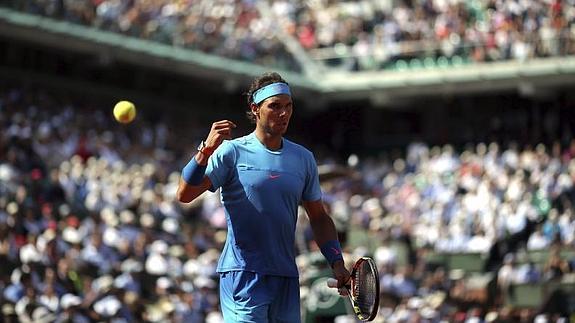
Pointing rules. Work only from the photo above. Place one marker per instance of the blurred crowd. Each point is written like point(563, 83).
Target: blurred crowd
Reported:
point(228, 28)
point(376, 33)
point(355, 35)
point(90, 229)
point(499, 203)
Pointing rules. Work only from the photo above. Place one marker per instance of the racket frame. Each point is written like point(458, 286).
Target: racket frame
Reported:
point(351, 285)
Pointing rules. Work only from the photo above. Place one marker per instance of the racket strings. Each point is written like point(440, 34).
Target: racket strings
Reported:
point(364, 289)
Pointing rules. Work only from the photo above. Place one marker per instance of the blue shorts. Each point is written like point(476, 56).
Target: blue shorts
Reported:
point(251, 297)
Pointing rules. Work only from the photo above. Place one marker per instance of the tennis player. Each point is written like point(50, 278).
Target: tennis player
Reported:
point(263, 178)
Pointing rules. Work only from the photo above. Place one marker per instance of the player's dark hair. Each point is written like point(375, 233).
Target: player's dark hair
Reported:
point(258, 83)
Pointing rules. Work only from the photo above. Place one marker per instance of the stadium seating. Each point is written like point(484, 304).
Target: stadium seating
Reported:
point(89, 228)
point(458, 32)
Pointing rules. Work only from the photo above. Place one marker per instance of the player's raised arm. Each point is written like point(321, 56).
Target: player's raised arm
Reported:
point(193, 181)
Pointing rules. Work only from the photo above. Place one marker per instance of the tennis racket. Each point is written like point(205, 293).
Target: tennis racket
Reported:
point(363, 288)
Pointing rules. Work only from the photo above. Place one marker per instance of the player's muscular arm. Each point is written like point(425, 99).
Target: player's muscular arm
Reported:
point(187, 193)
point(324, 230)
point(321, 223)
point(191, 185)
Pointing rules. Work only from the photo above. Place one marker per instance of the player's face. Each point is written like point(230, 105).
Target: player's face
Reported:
point(274, 114)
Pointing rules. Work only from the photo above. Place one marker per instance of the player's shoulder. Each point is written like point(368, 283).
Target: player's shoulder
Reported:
point(241, 141)
point(227, 147)
point(298, 148)
point(236, 145)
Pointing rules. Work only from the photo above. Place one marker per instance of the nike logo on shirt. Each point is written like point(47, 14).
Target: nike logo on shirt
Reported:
point(274, 176)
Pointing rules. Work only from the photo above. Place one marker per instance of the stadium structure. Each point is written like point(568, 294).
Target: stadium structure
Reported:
point(382, 107)
point(375, 101)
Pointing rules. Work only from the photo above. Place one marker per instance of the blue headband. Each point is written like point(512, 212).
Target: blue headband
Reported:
point(270, 90)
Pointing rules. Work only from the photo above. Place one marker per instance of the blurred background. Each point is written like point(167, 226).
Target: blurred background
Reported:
point(444, 131)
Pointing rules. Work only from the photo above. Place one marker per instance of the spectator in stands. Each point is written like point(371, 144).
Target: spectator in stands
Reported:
point(233, 29)
point(479, 31)
point(537, 240)
point(351, 35)
point(556, 266)
point(528, 274)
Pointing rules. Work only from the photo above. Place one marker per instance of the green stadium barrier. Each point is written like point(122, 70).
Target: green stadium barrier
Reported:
point(401, 65)
point(429, 63)
point(442, 62)
point(525, 295)
point(436, 258)
point(415, 63)
point(567, 254)
point(358, 237)
point(540, 257)
point(468, 262)
point(456, 60)
point(322, 301)
point(534, 295)
point(401, 251)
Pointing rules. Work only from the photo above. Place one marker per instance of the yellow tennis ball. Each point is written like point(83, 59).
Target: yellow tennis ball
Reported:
point(124, 111)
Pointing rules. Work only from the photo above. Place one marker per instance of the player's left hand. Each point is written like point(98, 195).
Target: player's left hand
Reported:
point(342, 275)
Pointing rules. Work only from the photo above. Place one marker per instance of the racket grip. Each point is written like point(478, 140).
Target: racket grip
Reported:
point(332, 283)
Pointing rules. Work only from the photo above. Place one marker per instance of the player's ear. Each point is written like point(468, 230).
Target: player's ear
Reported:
point(255, 109)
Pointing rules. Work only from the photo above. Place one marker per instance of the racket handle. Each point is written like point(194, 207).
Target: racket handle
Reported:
point(332, 283)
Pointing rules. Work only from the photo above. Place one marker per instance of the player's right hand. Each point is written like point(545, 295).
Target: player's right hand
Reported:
point(342, 275)
point(220, 131)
